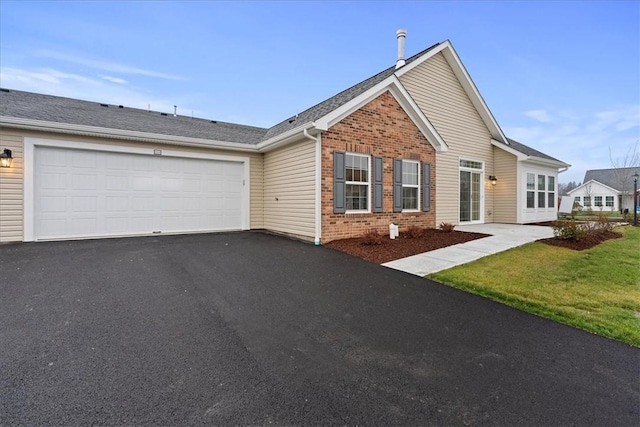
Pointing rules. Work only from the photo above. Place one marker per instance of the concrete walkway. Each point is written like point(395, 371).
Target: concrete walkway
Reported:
point(503, 237)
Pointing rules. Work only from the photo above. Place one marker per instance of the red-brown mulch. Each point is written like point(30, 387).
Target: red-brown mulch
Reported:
point(402, 246)
point(591, 240)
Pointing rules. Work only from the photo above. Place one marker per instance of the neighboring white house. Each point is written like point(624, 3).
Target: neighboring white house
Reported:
point(606, 190)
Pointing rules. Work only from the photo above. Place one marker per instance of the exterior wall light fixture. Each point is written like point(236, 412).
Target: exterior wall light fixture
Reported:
point(493, 179)
point(5, 158)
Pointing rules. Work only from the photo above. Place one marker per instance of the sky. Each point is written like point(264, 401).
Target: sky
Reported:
point(561, 77)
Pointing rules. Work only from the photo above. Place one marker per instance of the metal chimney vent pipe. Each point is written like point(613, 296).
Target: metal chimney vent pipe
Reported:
point(401, 34)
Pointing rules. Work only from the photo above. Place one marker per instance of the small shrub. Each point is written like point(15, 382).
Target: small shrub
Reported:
point(569, 229)
point(447, 227)
point(604, 224)
point(372, 237)
point(414, 232)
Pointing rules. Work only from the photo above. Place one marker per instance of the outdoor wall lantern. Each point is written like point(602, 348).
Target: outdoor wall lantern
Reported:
point(493, 179)
point(5, 158)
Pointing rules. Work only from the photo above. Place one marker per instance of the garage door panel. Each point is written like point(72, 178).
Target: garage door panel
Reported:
point(141, 204)
point(92, 194)
point(84, 181)
point(84, 204)
point(53, 204)
point(142, 183)
point(117, 182)
point(84, 159)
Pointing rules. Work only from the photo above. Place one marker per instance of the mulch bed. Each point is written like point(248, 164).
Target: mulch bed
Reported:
point(591, 240)
point(402, 246)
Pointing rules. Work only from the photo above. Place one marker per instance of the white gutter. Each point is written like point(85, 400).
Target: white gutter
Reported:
point(284, 138)
point(83, 130)
point(318, 187)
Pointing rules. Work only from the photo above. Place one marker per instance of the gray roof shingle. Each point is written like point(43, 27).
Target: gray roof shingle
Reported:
point(336, 101)
point(620, 179)
point(27, 105)
point(524, 149)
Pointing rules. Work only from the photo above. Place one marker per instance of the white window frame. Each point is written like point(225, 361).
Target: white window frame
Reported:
point(474, 166)
point(416, 186)
point(597, 199)
point(606, 201)
point(359, 183)
point(551, 192)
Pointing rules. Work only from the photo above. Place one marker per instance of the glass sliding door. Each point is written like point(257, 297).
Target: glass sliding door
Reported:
point(470, 191)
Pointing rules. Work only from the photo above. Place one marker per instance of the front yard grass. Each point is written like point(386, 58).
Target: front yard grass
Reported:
point(597, 289)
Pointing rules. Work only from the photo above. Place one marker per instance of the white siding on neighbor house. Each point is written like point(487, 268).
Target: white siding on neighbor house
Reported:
point(11, 189)
point(440, 96)
point(11, 200)
point(505, 192)
point(289, 191)
point(592, 189)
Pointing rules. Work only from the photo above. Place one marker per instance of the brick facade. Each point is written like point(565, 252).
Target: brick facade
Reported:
point(379, 128)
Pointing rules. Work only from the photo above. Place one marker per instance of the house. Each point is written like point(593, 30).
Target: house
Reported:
point(414, 144)
point(608, 190)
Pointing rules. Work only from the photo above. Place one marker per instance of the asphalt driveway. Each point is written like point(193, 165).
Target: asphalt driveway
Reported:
point(249, 328)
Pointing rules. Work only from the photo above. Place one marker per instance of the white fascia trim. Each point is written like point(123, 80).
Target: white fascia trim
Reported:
point(531, 159)
point(395, 88)
point(469, 87)
point(30, 145)
point(547, 162)
point(83, 130)
point(287, 137)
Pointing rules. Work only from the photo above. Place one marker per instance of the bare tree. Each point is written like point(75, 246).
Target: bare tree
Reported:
point(621, 167)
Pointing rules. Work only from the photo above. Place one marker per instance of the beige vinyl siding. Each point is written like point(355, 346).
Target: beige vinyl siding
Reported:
point(438, 93)
point(505, 192)
point(289, 176)
point(11, 227)
point(11, 189)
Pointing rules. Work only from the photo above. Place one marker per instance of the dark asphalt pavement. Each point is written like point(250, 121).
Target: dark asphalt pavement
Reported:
point(249, 328)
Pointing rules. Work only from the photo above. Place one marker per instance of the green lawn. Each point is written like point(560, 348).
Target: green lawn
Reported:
point(597, 290)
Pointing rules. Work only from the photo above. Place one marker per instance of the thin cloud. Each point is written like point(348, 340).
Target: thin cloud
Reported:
point(117, 80)
point(583, 139)
point(12, 76)
point(111, 67)
point(539, 115)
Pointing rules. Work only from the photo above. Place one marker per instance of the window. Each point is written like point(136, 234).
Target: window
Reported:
point(587, 201)
point(551, 195)
point(541, 190)
point(357, 182)
point(609, 201)
point(410, 185)
point(471, 164)
point(597, 201)
point(576, 199)
point(531, 194)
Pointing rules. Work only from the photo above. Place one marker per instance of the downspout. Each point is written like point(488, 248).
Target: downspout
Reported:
point(318, 163)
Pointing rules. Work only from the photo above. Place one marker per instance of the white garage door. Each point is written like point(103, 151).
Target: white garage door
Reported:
point(82, 193)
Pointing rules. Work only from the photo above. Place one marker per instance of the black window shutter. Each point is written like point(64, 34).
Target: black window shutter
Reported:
point(397, 185)
point(339, 182)
point(426, 187)
point(377, 184)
